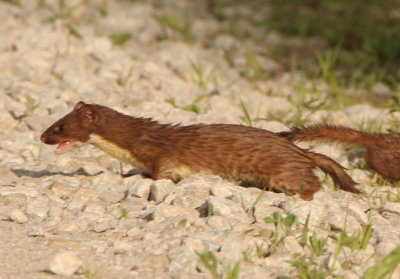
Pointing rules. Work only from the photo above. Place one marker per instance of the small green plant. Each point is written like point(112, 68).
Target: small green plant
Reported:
point(210, 210)
point(30, 107)
point(90, 274)
point(175, 23)
point(262, 252)
point(384, 269)
point(326, 64)
point(304, 233)
point(198, 69)
point(12, 2)
point(193, 106)
point(119, 38)
point(232, 272)
point(234, 30)
point(202, 79)
point(370, 126)
point(103, 9)
point(256, 201)
point(253, 64)
point(297, 119)
point(317, 245)
point(63, 10)
point(248, 255)
point(182, 223)
point(306, 269)
point(74, 32)
point(246, 118)
point(228, 55)
point(306, 266)
point(124, 213)
point(282, 228)
point(218, 9)
point(356, 241)
point(210, 262)
point(123, 81)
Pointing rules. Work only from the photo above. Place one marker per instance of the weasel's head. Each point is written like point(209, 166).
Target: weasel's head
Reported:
point(73, 129)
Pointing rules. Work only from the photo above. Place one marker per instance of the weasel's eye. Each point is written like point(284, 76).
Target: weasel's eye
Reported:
point(62, 127)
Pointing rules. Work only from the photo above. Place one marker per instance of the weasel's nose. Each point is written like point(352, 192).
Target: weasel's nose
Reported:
point(42, 139)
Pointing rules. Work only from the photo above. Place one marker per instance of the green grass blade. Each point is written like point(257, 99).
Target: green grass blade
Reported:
point(385, 267)
point(246, 118)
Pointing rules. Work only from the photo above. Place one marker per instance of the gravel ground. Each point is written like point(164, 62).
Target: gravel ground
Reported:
point(75, 216)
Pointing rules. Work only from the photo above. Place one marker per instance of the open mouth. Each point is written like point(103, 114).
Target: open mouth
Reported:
point(65, 146)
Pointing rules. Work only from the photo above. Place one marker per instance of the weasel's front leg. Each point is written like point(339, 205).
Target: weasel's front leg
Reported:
point(162, 168)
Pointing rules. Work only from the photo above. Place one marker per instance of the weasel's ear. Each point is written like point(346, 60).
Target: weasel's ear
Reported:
point(88, 115)
point(79, 105)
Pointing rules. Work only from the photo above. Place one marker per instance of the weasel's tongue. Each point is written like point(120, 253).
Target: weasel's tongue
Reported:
point(64, 147)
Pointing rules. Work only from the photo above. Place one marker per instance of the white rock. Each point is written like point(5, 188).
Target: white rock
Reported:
point(220, 223)
point(193, 191)
point(195, 245)
point(95, 207)
point(163, 211)
point(382, 90)
point(9, 202)
point(224, 41)
point(102, 226)
point(37, 207)
point(159, 189)
point(183, 262)
point(136, 233)
point(61, 190)
point(81, 197)
point(232, 250)
point(9, 182)
point(68, 226)
point(392, 207)
point(141, 188)
point(122, 246)
point(36, 231)
point(361, 113)
point(65, 263)
point(18, 216)
point(326, 212)
point(229, 209)
point(385, 245)
point(92, 169)
point(290, 245)
point(112, 196)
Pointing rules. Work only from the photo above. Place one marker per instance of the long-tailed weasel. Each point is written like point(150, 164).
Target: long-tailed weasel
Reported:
point(253, 156)
point(382, 151)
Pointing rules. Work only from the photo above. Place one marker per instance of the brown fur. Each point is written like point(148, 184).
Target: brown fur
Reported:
point(382, 151)
point(234, 152)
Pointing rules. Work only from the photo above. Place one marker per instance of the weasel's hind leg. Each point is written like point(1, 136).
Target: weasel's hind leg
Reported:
point(301, 181)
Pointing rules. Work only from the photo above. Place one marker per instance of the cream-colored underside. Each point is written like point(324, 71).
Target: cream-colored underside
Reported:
point(180, 172)
point(121, 154)
point(177, 173)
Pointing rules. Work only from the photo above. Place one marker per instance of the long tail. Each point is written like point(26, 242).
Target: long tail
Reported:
point(329, 133)
point(336, 171)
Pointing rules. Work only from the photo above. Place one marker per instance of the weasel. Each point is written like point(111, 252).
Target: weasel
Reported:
point(253, 156)
point(382, 151)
